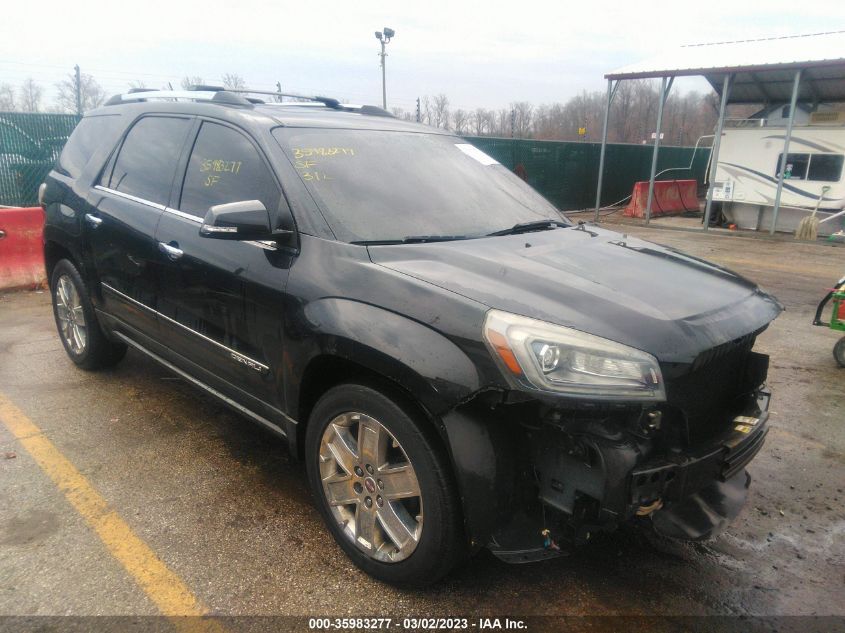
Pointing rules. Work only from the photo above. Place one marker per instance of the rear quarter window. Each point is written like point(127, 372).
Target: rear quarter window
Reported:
point(91, 133)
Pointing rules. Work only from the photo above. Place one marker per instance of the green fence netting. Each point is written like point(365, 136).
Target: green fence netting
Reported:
point(564, 172)
point(29, 145)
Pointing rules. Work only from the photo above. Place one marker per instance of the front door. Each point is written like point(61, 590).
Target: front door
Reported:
point(127, 203)
point(221, 301)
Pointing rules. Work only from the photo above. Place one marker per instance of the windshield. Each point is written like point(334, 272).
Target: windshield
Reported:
point(383, 186)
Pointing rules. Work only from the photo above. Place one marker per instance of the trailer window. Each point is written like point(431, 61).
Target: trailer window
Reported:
point(818, 167)
point(796, 166)
point(827, 167)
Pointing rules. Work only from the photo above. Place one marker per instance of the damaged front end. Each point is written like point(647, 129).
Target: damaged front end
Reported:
point(547, 475)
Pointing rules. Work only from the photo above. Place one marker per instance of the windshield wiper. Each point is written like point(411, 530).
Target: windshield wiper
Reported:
point(527, 227)
point(414, 239)
point(422, 239)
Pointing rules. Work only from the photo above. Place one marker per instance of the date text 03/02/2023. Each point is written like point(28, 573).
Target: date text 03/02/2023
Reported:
point(416, 623)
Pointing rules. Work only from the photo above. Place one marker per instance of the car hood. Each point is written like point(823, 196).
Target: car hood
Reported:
point(654, 298)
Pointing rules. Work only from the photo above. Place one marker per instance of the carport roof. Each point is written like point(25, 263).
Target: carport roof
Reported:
point(764, 69)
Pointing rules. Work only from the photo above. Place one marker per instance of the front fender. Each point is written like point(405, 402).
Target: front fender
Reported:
point(413, 355)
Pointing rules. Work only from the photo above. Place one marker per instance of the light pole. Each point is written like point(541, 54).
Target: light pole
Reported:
point(384, 37)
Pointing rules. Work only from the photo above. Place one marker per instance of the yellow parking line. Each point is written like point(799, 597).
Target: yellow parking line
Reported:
point(164, 588)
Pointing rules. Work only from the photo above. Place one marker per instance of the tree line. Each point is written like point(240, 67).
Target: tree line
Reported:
point(29, 96)
point(633, 114)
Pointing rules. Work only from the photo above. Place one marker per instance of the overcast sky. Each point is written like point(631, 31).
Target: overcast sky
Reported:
point(478, 53)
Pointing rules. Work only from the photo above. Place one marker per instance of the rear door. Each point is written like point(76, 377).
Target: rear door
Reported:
point(221, 302)
point(129, 199)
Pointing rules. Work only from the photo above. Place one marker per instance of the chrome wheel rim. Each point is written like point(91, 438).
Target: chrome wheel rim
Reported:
point(70, 315)
point(371, 487)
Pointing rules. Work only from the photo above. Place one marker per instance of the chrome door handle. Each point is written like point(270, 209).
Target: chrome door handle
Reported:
point(171, 251)
point(93, 221)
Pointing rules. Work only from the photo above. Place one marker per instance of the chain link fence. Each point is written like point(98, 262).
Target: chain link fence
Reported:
point(564, 172)
point(29, 145)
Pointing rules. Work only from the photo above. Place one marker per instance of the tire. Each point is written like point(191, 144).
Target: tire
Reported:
point(839, 352)
point(430, 541)
point(76, 321)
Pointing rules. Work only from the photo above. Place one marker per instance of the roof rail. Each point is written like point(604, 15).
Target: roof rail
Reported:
point(233, 96)
point(217, 96)
point(329, 102)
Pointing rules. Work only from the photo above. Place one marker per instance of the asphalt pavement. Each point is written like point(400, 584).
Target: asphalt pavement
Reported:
point(158, 476)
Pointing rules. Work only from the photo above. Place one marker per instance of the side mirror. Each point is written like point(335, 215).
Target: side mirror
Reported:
point(244, 220)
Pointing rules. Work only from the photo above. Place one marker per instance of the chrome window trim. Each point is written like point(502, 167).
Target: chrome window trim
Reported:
point(126, 196)
point(188, 216)
point(241, 358)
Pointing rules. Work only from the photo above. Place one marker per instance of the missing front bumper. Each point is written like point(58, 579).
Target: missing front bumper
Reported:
point(706, 513)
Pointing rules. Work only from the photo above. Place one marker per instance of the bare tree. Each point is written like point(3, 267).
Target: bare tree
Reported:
point(522, 113)
point(426, 111)
point(460, 120)
point(480, 122)
point(233, 81)
point(7, 98)
point(91, 93)
point(30, 96)
point(440, 111)
point(137, 84)
point(189, 81)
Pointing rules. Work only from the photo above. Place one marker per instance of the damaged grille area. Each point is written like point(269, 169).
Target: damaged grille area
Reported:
point(711, 392)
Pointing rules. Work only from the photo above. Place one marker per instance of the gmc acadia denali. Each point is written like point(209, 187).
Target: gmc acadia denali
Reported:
point(457, 364)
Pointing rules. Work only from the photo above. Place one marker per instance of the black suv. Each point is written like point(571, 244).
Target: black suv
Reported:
point(458, 365)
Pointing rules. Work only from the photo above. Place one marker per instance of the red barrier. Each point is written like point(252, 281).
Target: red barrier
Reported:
point(22, 248)
point(670, 196)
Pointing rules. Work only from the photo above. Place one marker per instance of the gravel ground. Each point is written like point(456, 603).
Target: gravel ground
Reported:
point(221, 503)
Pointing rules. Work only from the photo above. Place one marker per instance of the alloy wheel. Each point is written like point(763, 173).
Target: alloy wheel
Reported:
point(371, 487)
point(70, 315)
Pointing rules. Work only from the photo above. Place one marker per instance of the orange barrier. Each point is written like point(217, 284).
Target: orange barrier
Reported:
point(22, 248)
point(670, 196)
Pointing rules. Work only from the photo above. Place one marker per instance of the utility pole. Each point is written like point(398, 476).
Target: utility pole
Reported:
point(513, 122)
point(384, 38)
point(78, 86)
point(419, 117)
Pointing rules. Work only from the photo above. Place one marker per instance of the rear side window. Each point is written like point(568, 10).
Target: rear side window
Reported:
point(89, 134)
point(226, 167)
point(146, 162)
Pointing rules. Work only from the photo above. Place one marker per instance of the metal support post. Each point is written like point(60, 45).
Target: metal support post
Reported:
point(665, 87)
point(796, 84)
point(717, 143)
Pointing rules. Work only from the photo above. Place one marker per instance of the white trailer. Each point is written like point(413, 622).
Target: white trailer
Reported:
point(748, 169)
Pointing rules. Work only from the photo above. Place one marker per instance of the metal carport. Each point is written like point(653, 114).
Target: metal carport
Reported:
point(801, 68)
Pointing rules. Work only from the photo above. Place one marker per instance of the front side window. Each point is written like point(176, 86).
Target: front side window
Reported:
point(382, 186)
point(225, 167)
point(145, 165)
point(817, 167)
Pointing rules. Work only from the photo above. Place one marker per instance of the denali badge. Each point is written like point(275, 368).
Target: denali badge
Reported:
point(248, 362)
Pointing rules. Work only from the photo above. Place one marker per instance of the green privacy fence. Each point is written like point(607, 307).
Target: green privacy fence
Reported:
point(29, 145)
point(564, 172)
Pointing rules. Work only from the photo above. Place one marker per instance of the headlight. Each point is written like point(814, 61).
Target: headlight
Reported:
point(552, 358)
